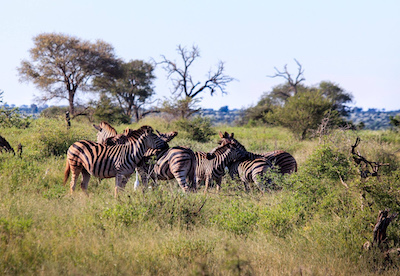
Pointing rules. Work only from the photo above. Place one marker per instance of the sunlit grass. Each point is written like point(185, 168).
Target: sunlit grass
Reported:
point(312, 225)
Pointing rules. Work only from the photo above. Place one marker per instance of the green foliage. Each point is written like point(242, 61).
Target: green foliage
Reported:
point(52, 137)
point(394, 121)
point(239, 218)
point(199, 128)
point(130, 90)
point(54, 112)
point(106, 110)
point(301, 113)
point(328, 162)
point(11, 117)
point(315, 219)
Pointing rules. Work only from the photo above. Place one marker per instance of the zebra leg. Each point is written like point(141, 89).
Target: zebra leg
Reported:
point(119, 185)
point(181, 181)
point(218, 181)
point(191, 178)
point(85, 181)
point(75, 171)
point(208, 179)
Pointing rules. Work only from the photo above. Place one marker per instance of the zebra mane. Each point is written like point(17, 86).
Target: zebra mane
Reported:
point(128, 133)
point(222, 149)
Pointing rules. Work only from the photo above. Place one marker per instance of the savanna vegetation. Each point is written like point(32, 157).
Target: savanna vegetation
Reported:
point(314, 222)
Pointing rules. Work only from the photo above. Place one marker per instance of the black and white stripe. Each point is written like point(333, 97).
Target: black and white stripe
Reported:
point(119, 161)
point(250, 171)
point(282, 160)
point(211, 166)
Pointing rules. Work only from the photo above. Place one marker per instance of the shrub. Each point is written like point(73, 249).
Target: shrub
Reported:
point(239, 218)
point(198, 129)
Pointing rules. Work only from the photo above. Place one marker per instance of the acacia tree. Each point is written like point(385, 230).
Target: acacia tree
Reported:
point(184, 86)
point(61, 65)
point(132, 89)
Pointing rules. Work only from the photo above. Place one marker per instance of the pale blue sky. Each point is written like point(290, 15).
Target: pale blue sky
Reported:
point(355, 44)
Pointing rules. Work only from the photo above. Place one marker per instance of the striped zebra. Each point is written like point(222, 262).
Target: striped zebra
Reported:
point(211, 166)
point(119, 161)
point(250, 171)
point(176, 162)
point(283, 160)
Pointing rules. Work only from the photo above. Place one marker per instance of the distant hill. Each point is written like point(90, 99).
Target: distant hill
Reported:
point(372, 118)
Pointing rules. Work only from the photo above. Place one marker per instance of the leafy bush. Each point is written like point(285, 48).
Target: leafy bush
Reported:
point(11, 117)
point(239, 218)
point(198, 128)
point(328, 162)
point(53, 137)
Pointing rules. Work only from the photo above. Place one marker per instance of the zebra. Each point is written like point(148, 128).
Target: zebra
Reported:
point(250, 171)
point(176, 162)
point(211, 166)
point(283, 160)
point(90, 158)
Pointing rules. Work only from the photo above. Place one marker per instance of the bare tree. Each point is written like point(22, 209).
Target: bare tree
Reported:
point(184, 85)
point(293, 83)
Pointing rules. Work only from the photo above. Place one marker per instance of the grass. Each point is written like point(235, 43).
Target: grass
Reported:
point(313, 225)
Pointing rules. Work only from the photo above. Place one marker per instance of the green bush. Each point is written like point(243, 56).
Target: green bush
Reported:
point(54, 138)
point(238, 217)
point(198, 129)
point(11, 117)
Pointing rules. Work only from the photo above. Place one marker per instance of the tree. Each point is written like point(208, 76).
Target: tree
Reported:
point(106, 110)
point(132, 89)
point(301, 113)
point(61, 65)
point(182, 108)
point(337, 95)
point(291, 84)
point(184, 86)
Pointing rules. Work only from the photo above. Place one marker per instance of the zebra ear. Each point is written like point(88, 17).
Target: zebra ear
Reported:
point(231, 135)
point(221, 135)
point(158, 133)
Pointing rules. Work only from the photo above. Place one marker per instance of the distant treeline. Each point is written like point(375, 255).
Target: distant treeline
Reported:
point(372, 118)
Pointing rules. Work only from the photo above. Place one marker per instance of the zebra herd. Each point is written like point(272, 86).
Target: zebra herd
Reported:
point(119, 155)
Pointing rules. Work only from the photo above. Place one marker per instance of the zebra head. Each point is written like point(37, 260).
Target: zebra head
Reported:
point(151, 140)
point(167, 137)
point(104, 131)
point(226, 138)
point(230, 151)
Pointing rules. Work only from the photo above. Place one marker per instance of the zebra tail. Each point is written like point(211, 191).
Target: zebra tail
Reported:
point(66, 172)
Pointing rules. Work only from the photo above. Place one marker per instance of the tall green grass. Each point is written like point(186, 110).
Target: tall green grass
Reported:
point(315, 224)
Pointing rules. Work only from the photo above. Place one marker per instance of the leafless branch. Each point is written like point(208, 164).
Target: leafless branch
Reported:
point(288, 77)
